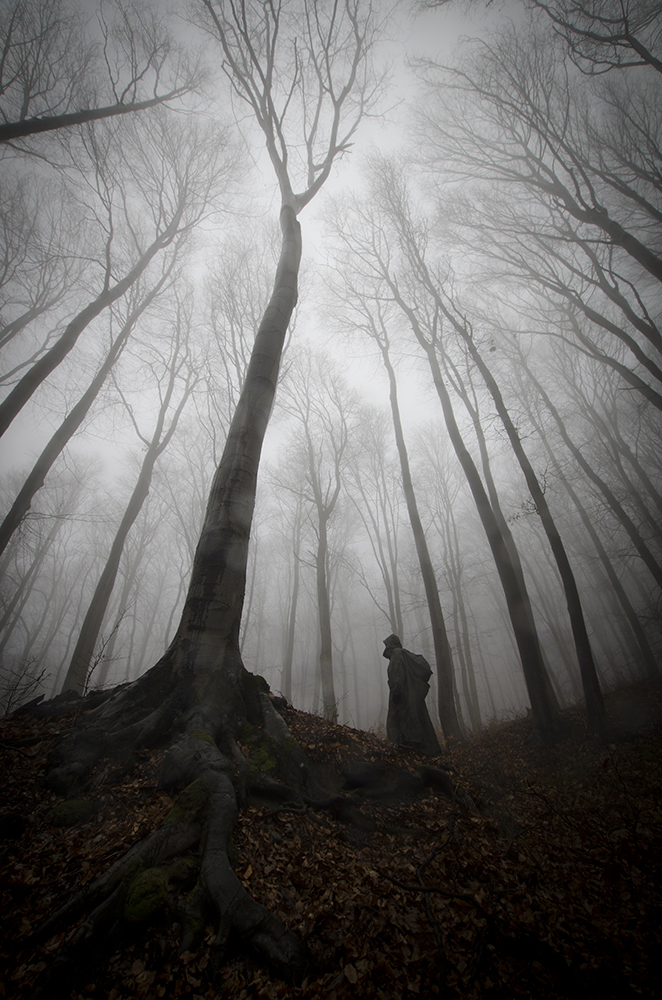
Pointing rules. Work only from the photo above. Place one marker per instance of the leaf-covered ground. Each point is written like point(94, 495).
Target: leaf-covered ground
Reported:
point(550, 889)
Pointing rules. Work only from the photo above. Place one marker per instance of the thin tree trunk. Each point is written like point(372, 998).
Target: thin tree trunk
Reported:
point(50, 123)
point(24, 588)
point(461, 624)
point(545, 714)
point(23, 390)
point(288, 656)
point(650, 663)
point(329, 703)
point(89, 633)
point(527, 609)
point(623, 518)
point(448, 716)
point(592, 693)
point(70, 424)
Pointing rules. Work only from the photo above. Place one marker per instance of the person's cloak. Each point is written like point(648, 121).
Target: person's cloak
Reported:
point(408, 719)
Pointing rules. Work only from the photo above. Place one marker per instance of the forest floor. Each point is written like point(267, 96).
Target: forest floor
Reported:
point(552, 888)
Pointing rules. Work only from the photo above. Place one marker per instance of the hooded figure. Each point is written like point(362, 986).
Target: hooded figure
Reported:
point(408, 720)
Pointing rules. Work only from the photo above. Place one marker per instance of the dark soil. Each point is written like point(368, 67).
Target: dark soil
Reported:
point(550, 889)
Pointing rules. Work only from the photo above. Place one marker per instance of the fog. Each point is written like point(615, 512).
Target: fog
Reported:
point(482, 268)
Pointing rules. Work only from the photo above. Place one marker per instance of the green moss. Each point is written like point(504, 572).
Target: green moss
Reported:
point(264, 754)
point(289, 745)
point(73, 811)
point(202, 734)
point(181, 870)
point(189, 803)
point(246, 732)
point(263, 750)
point(260, 683)
point(132, 873)
point(147, 895)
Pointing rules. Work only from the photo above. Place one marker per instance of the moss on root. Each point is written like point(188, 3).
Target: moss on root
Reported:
point(202, 734)
point(262, 749)
point(146, 896)
point(190, 803)
point(182, 870)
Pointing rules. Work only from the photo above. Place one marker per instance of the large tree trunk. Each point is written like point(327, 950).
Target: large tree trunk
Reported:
point(208, 633)
point(201, 700)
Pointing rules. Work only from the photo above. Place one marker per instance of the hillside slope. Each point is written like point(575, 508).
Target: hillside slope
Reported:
point(548, 887)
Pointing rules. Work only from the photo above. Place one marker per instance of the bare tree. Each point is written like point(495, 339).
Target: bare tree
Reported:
point(373, 324)
point(449, 310)
point(423, 316)
point(76, 416)
point(324, 409)
point(563, 183)
point(178, 378)
point(644, 648)
point(303, 71)
point(39, 238)
point(623, 518)
point(174, 172)
point(609, 34)
point(373, 477)
point(57, 70)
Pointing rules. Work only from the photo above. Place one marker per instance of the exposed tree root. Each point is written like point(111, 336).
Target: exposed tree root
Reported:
point(204, 719)
point(226, 744)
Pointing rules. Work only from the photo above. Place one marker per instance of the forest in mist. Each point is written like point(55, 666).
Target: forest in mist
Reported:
point(465, 444)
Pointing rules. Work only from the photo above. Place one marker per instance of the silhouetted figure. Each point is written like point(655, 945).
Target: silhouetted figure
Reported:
point(408, 720)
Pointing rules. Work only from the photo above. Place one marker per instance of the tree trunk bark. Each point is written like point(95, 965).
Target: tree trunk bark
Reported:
point(207, 638)
point(545, 714)
point(448, 716)
point(592, 693)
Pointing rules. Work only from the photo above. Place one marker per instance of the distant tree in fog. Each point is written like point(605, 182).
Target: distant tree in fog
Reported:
point(564, 183)
point(324, 410)
point(376, 244)
point(176, 381)
point(610, 34)
point(368, 314)
point(148, 193)
point(63, 65)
